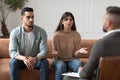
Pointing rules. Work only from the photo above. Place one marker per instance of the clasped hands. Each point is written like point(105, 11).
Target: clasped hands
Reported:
point(29, 62)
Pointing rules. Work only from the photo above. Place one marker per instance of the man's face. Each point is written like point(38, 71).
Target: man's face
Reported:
point(105, 18)
point(104, 29)
point(28, 19)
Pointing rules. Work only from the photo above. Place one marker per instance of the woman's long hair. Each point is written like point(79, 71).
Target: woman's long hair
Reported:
point(64, 16)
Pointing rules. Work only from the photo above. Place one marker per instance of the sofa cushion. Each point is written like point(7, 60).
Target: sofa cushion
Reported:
point(31, 74)
point(4, 69)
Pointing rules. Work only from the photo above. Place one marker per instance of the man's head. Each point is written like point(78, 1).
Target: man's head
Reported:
point(27, 16)
point(111, 18)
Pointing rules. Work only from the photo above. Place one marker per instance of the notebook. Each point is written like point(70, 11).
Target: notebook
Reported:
point(71, 74)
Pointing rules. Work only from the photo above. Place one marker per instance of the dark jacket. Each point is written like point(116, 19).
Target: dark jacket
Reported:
point(109, 45)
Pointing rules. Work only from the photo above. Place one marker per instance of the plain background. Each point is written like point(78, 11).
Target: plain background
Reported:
point(88, 15)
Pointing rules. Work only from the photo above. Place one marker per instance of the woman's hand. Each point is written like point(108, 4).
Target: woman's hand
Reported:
point(81, 51)
point(54, 53)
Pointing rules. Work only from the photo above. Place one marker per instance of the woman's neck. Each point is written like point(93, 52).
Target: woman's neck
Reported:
point(67, 30)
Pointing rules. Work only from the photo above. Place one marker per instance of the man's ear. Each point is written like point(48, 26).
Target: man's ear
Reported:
point(108, 23)
point(21, 18)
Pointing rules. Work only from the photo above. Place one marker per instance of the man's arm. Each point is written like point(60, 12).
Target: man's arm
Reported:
point(13, 44)
point(43, 46)
point(96, 52)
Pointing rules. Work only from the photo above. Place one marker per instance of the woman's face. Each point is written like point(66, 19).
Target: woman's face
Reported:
point(67, 22)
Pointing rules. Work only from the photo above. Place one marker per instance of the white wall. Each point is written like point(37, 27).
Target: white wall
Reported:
point(88, 15)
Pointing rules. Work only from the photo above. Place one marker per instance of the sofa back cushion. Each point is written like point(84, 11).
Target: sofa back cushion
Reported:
point(49, 43)
point(87, 43)
point(4, 48)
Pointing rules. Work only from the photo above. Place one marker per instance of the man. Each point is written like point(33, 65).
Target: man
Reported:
point(109, 45)
point(28, 47)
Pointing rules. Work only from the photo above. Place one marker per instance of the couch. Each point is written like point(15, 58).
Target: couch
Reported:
point(109, 68)
point(34, 74)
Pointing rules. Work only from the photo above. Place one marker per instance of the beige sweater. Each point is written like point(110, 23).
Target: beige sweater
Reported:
point(66, 44)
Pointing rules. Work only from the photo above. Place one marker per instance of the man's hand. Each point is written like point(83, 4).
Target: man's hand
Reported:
point(80, 69)
point(29, 62)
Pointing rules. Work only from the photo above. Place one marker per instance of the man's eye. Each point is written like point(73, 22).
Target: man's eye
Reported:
point(28, 17)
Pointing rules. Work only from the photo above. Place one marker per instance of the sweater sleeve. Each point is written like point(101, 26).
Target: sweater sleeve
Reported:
point(77, 42)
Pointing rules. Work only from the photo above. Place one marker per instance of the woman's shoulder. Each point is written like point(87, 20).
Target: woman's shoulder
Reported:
point(57, 33)
point(75, 33)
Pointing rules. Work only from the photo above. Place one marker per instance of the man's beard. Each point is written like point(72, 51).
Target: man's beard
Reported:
point(104, 30)
point(30, 26)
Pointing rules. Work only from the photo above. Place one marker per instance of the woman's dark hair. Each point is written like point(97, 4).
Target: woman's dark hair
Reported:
point(26, 9)
point(64, 16)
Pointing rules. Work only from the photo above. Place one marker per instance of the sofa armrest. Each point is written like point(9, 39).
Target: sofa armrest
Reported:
point(4, 48)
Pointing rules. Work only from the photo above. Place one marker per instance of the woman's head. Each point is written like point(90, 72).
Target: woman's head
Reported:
point(67, 21)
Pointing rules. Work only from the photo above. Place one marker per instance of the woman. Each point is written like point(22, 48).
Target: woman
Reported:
point(66, 46)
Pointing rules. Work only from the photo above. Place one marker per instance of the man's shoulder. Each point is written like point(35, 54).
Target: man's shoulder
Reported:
point(38, 28)
point(17, 29)
point(101, 44)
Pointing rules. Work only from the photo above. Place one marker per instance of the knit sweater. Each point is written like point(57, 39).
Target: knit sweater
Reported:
point(66, 44)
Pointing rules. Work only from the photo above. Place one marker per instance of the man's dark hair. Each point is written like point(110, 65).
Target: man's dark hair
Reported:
point(113, 10)
point(26, 9)
point(114, 15)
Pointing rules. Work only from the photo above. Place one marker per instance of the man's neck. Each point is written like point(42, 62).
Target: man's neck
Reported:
point(28, 29)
